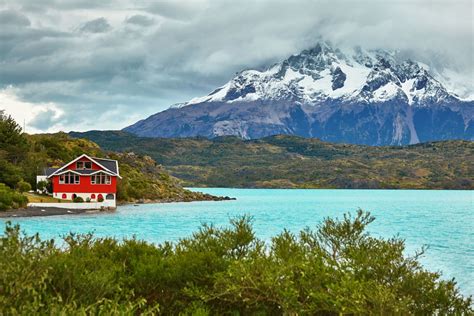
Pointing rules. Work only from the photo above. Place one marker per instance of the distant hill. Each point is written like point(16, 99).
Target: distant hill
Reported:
point(294, 162)
point(142, 178)
point(24, 156)
point(353, 96)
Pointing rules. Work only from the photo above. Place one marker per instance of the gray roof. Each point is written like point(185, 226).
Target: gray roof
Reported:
point(107, 163)
point(49, 171)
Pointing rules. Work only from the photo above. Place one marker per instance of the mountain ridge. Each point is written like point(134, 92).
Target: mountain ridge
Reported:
point(362, 97)
point(287, 161)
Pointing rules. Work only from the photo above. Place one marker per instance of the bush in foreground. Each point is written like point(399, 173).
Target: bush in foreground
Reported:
point(336, 269)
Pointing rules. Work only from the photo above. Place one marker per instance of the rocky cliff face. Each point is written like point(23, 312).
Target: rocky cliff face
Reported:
point(356, 96)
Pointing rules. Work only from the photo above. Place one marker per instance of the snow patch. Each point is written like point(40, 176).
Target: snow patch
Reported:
point(219, 95)
point(407, 88)
point(385, 92)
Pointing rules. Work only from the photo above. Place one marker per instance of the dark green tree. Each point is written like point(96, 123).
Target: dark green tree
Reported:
point(13, 144)
point(9, 173)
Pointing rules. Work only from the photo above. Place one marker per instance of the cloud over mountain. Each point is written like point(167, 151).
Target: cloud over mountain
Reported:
point(95, 57)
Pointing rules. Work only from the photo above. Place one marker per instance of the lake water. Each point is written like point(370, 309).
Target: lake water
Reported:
point(443, 220)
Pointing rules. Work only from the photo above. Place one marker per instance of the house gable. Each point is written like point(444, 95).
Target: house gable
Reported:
point(96, 165)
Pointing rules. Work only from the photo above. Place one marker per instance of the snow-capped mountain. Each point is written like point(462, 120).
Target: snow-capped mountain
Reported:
point(356, 96)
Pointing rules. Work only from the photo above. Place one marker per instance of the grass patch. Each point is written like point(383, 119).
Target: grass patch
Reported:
point(39, 198)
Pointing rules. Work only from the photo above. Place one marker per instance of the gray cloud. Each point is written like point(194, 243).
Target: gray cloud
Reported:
point(150, 55)
point(99, 25)
point(13, 18)
point(44, 119)
point(141, 20)
point(48, 5)
point(178, 10)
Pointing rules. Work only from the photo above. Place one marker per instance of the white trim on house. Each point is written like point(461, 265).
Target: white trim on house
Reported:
point(118, 172)
point(81, 206)
point(86, 174)
point(85, 196)
point(67, 171)
point(57, 172)
point(69, 163)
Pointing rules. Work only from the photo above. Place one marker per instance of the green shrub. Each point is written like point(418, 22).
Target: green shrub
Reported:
point(42, 185)
point(336, 269)
point(78, 199)
point(23, 186)
point(11, 199)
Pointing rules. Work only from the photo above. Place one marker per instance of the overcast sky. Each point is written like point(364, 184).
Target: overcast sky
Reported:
point(88, 64)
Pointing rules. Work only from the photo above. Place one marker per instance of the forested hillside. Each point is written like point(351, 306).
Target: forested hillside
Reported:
point(294, 162)
point(24, 156)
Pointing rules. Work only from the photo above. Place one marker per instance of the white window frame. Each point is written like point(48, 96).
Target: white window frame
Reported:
point(76, 179)
point(82, 165)
point(104, 179)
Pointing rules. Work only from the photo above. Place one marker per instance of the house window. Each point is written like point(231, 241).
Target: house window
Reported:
point(69, 178)
point(101, 178)
point(84, 165)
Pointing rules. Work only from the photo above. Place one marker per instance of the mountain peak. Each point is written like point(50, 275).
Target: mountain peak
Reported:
point(362, 96)
point(326, 73)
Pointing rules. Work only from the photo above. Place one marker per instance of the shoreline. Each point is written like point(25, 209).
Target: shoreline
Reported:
point(35, 211)
point(328, 188)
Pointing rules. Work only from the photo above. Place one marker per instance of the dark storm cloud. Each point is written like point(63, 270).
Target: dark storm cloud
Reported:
point(129, 59)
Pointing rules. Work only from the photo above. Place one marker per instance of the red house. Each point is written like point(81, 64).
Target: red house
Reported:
point(93, 179)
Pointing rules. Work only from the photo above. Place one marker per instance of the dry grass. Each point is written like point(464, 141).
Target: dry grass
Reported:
point(37, 198)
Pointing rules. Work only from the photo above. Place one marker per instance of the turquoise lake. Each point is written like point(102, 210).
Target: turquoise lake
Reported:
point(443, 220)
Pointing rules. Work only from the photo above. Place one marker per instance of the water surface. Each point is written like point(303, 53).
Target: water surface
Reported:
point(443, 220)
